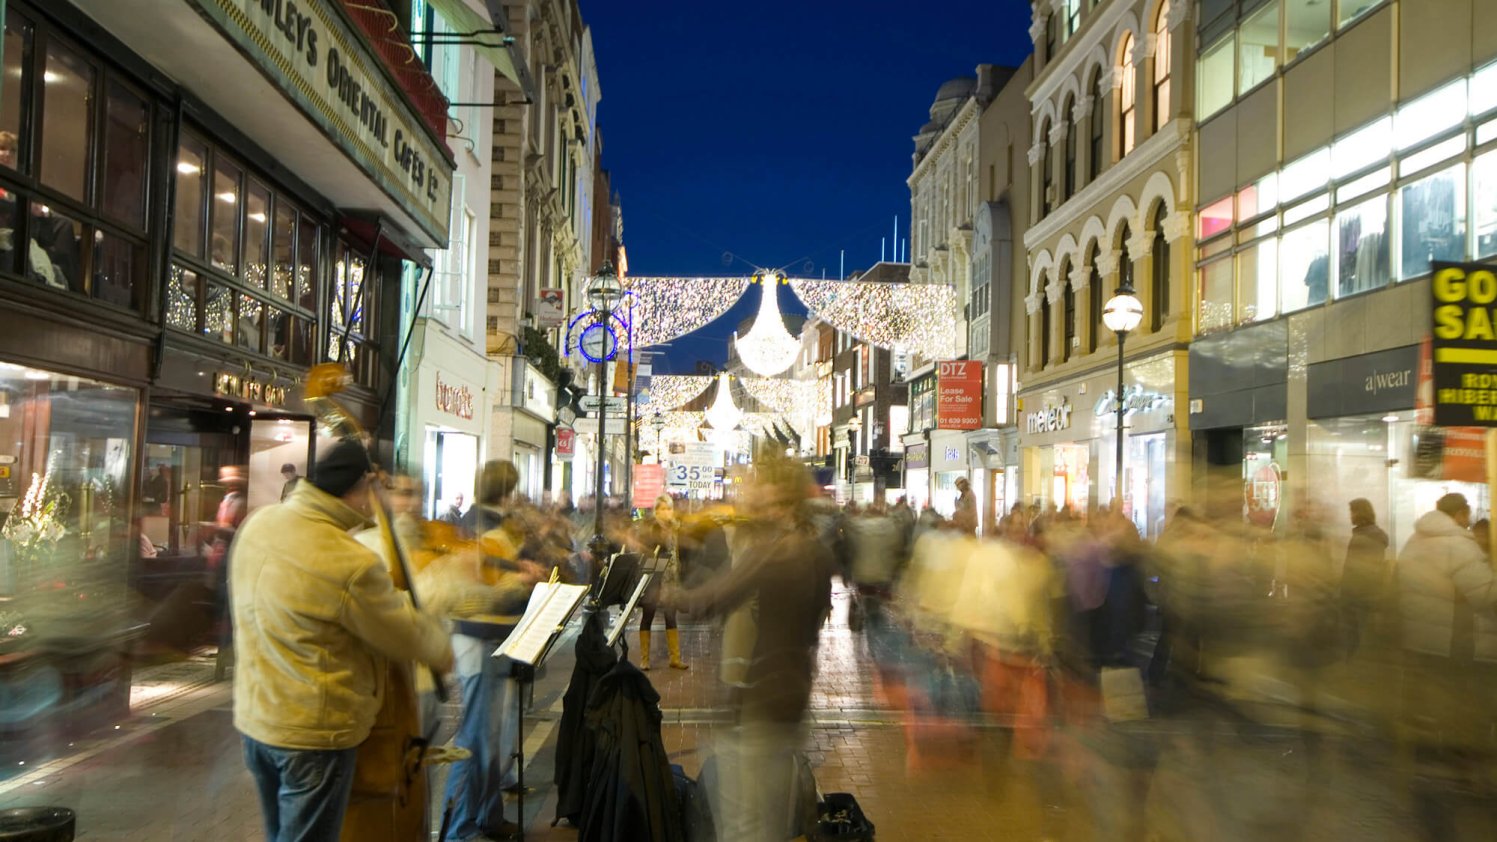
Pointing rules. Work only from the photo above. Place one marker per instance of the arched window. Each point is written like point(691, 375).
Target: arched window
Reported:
point(1162, 66)
point(1068, 315)
point(1125, 260)
point(1047, 173)
point(1094, 300)
point(1160, 282)
point(1095, 124)
point(1127, 99)
point(1044, 324)
point(1068, 178)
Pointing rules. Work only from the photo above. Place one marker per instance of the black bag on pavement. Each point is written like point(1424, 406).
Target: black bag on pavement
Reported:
point(842, 820)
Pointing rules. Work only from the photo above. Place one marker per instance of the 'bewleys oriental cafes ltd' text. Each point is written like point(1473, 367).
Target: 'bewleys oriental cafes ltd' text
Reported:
point(301, 34)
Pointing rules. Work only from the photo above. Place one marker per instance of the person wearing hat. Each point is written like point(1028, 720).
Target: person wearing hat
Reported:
point(316, 619)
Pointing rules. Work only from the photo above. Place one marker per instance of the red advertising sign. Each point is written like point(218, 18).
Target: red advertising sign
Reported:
point(566, 443)
point(1456, 454)
point(649, 483)
point(959, 395)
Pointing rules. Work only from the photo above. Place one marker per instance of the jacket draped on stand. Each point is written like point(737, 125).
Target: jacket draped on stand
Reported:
point(576, 743)
point(630, 791)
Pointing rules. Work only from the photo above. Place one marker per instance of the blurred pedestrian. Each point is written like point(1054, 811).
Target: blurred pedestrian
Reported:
point(659, 541)
point(1364, 576)
point(291, 477)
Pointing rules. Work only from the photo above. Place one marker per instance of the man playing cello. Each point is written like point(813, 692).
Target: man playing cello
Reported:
point(316, 617)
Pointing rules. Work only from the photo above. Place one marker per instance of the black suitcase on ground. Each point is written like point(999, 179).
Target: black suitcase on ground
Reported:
point(840, 819)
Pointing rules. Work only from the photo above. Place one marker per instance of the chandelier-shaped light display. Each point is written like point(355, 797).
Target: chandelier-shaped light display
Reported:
point(665, 308)
point(723, 414)
point(768, 348)
point(920, 318)
point(671, 391)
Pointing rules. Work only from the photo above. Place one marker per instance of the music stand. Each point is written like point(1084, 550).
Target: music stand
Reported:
point(551, 606)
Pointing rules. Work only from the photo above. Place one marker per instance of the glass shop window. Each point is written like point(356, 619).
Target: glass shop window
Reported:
point(1432, 213)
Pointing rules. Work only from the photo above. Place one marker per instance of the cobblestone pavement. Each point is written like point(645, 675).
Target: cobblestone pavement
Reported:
point(174, 770)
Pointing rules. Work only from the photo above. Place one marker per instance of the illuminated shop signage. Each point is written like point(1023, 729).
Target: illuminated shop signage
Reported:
point(454, 400)
point(1050, 419)
point(1135, 399)
point(248, 389)
point(324, 66)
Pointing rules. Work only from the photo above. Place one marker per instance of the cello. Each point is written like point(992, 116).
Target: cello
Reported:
point(389, 801)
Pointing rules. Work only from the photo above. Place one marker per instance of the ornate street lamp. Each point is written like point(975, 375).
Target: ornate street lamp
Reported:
point(603, 292)
point(1122, 314)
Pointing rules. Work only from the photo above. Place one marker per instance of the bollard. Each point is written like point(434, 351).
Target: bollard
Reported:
point(36, 824)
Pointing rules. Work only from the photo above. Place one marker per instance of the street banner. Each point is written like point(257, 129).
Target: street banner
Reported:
point(1464, 344)
point(649, 484)
point(959, 395)
point(566, 444)
point(550, 308)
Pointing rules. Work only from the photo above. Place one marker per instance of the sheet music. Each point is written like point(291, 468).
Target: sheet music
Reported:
point(550, 606)
point(623, 618)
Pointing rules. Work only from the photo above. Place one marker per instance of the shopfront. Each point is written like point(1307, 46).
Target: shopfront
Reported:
point(1068, 441)
point(917, 472)
point(1364, 439)
point(446, 422)
point(948, 463)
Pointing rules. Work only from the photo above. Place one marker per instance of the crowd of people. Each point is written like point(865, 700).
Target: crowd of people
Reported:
point(1226, 680)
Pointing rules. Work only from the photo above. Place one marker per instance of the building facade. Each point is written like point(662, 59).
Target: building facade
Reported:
point(1316, 226)
point(1111, 193)
point(193, 243)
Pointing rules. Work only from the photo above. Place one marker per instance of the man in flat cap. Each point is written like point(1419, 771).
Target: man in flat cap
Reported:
point(316, 618)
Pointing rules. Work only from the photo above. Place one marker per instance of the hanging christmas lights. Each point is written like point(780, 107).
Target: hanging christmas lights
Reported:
point(671, 391)
point(723, 414)
point(920, 318)
point(793, 400)
point(665, 308)
point(768, 348)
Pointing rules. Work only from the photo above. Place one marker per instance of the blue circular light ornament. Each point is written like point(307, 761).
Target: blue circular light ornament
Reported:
point(598, 343)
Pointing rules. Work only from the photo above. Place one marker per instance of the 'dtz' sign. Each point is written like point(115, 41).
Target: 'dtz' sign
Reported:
point(959, 395)
point(1464, 344)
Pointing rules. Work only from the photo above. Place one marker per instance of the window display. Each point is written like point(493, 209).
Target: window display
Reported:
point(1215, 296)
point(1305, 261)
point(1362, 247)
point(66, 445)
point(1259, 53)
point(1433, 214)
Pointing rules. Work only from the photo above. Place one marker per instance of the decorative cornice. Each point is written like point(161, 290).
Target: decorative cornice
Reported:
point(1032, 303)
point(1082, 108)
point(1037, 24)
point(1176, 225)
point(1058, 133)
point(1107, 262)
point(1143, 48)
point(1081, 275)
point(1055, 290)
point(1179, 13)
point(1140, 244)
point(1113, 78)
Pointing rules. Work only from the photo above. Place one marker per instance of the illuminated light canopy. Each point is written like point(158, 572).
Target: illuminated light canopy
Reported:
point(723, 415)
point(670, 391)
point(768, 348)
point(919, 318)
point(666, 308)
point(793, 400)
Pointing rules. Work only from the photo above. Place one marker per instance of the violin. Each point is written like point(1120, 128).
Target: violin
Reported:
point(389, 788)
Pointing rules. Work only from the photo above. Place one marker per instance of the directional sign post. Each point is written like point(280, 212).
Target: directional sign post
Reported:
point(591, 403)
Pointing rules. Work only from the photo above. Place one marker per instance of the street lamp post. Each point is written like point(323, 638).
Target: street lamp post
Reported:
point(854, 424)
point(1122, 315)
point(602, 292)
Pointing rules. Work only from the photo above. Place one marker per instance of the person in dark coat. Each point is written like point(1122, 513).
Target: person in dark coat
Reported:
point(1364, 577)
point(789, 571)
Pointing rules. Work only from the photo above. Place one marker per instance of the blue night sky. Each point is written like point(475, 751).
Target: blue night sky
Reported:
point(774, 134)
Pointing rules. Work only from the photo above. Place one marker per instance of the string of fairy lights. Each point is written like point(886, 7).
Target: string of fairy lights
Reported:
point(918, 318)
point(669, 308)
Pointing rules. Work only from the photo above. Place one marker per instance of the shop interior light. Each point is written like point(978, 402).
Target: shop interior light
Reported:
point(228, 198)
point(257, 217)
point(1390, 418)
point(188, 168)
point(32, 374)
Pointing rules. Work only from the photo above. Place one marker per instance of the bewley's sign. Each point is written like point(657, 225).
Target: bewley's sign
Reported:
point(454, 400)
point(309, 48)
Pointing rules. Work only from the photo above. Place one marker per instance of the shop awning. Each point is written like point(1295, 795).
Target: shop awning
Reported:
point(486, 33)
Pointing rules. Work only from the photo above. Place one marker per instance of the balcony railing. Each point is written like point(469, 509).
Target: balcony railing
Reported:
point(393, 46)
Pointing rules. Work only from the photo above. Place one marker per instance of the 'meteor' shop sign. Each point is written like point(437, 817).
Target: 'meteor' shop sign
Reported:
point(1464, 344)
point(248, 389)
point(328, 70)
